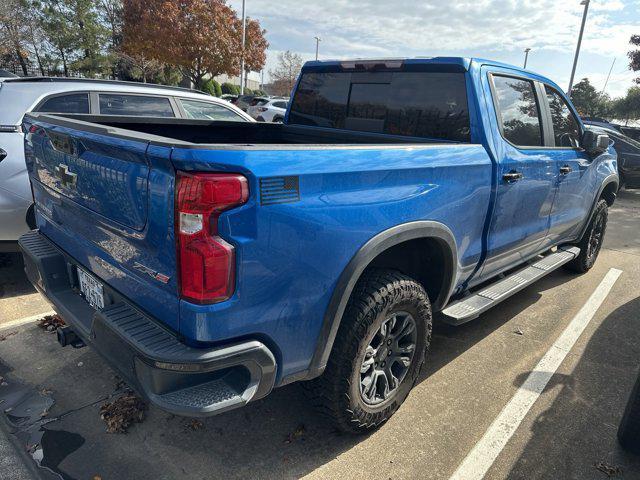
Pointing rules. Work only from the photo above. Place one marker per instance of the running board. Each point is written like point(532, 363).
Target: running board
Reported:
point(479, 302)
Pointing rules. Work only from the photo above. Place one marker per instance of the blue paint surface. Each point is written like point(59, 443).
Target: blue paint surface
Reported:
point(289, 256)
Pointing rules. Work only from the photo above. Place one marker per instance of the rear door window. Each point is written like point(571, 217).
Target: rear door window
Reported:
point(566, 130)
point(71, 103)
point(280, 104)
point(417, 104)
point(135, 105)
point(209, 111)
point(518, 111)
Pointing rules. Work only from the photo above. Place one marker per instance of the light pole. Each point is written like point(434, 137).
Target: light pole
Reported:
point(318, 40)
point(575, 59)
point(526, 56)
point(244, 36)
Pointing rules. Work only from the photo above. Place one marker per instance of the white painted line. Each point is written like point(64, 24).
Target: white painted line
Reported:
point(482, 456)
point(24, 321)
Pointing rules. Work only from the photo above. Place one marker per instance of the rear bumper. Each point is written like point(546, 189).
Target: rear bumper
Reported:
point(170, 374)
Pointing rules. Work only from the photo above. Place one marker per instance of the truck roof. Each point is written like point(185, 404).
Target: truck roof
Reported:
point(462, 64)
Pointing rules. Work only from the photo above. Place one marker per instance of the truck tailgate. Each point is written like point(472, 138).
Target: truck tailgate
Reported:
point(107, 201)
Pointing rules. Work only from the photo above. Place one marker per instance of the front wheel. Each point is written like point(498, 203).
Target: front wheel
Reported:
point(378, 352)
point(591, 243)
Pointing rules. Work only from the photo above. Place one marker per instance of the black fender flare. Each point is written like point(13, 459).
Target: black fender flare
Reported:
point(609, 179)
point(362, 258)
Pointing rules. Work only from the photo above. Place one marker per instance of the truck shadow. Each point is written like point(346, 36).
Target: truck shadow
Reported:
point(280, 436)
point(588, 402)
point(13, 281)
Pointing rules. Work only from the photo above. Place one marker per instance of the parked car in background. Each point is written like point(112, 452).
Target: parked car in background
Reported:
point(268, 109)
point(7, 74)
point(632, 132)
point(628, 151)
point(244, 101)
point(220, 260)
point(229, 97)
point(80, 96)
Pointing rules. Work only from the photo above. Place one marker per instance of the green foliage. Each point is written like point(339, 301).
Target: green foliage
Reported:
point(628, 107)
point(248, 91)
point(588, 101)
point(212, 87)
point(634, 55)
point(230, 88)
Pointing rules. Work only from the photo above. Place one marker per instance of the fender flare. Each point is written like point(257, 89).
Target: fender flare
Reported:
point(355, 267)
point(609, 179)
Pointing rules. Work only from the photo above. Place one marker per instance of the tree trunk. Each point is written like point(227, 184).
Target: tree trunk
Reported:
point(64, 63)
point(23, 64)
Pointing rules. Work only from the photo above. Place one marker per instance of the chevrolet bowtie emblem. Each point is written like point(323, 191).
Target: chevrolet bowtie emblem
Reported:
point(67, 178)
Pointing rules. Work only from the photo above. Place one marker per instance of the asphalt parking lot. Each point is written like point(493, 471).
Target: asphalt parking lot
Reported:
point(473, 372)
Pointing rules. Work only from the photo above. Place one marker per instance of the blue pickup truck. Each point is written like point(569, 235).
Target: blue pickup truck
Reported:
point(210, 262)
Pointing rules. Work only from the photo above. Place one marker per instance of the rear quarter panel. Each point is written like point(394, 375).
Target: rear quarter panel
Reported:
point(291, 255)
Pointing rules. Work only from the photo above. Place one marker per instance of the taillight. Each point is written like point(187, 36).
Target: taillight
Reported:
point(206, 261)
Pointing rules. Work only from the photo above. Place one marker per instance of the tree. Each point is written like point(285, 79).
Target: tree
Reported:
point(628, 107)
point(286, 72)
point(588, 101)
point(634, 55)
point(256, 45)
point(14, 21)
point(74, 30)
point(200, 37)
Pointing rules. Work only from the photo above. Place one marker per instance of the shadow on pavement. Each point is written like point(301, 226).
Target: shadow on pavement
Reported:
point(13, 281)
point(589, 404)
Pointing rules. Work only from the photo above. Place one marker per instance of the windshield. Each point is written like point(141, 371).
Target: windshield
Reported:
point(417, 104)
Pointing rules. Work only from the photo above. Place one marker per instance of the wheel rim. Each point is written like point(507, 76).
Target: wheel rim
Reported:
point(595, 239)
point(387, 358)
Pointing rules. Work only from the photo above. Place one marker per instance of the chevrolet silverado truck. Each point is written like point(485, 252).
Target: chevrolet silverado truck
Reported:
point(210, 262)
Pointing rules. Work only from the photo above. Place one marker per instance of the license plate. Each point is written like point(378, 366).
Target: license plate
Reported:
point(91, 289)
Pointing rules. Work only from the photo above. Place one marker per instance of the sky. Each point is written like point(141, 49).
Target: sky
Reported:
point(494, 29)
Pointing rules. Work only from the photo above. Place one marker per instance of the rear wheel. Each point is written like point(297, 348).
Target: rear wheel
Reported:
point(591, 242)
point(378, 352)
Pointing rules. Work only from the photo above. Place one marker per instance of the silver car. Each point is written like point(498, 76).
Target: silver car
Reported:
point(80, 96)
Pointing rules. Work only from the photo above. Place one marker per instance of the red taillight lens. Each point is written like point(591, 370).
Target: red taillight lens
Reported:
point(207, 262)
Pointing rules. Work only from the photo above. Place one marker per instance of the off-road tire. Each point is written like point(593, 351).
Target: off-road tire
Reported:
point(629, 429)
point(589, 254)
point(376, 297)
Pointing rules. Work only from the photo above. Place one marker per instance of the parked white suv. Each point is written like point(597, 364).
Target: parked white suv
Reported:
point(80, 96)
point(268, 109)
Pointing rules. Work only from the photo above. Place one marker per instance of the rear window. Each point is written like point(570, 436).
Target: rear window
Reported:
point(135, 105)
point(416, 104)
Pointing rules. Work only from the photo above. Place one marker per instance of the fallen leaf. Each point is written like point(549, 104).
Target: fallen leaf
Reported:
point(608, 470)
point(125, 410)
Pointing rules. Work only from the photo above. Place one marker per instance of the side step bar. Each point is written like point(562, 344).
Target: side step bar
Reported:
point(473, 305)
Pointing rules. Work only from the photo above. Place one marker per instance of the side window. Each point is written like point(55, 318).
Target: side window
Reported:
point(566, 130)
point(518, 111)
point(209, 111)
point(72, 103)
point(135, 105)
point(280, 104)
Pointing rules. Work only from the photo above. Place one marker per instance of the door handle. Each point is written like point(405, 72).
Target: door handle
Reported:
point(565, 170)
point(512, 176)
point(3, 154)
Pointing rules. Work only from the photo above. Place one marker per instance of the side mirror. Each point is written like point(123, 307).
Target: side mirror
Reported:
point(595, 143)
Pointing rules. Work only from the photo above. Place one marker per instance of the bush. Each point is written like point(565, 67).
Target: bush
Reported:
point(212, 88)
point(230, 89)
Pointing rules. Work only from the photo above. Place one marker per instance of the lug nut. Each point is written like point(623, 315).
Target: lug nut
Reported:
point(389, 342)
point(389, 353)
point(383, 364)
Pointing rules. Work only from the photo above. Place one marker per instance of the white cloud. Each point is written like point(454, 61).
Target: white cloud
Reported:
point(498, 29)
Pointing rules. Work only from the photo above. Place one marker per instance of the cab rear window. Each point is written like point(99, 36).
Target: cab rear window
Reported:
point(417, 104)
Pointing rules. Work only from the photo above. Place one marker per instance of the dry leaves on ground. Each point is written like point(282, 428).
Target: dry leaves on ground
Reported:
point(50, 323)
point(125, 410)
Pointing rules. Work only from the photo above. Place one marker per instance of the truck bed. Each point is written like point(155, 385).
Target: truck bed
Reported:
point(169, 131)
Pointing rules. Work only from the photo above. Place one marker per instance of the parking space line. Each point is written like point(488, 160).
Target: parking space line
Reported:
point(481, 457)
point(25, 320)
